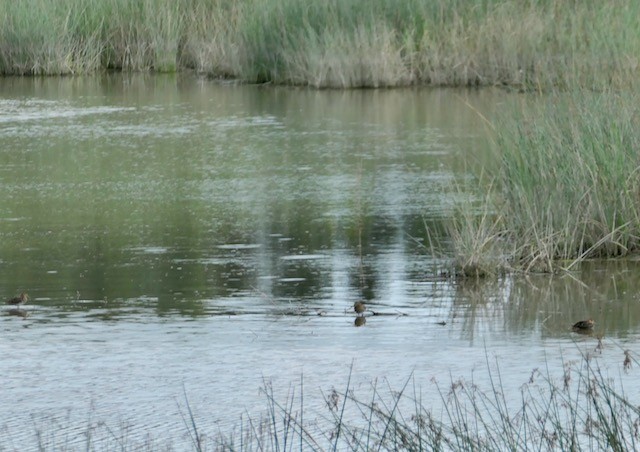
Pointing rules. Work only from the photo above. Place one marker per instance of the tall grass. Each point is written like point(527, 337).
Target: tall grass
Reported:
point(570, 177)
point(566, 187)
point(532, 44)
point(581, 409)
point(40, 37)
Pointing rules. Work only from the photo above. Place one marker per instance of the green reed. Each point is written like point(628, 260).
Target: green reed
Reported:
point(566, 187)
point(532, 44)
point(570, 176)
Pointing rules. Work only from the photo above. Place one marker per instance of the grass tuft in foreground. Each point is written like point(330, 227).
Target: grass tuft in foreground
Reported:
point(583, 409)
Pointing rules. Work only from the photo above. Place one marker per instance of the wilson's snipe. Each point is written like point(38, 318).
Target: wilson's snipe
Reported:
point(23, 298)
point(584, 325)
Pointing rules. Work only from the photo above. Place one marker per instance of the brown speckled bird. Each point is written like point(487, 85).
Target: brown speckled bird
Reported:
point(359, 307)
point(584, 325)
point(23, 298)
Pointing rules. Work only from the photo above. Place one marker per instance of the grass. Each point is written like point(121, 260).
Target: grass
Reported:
point(355, 43)
point(566, 187)
point(582, 409)
point(476, 241)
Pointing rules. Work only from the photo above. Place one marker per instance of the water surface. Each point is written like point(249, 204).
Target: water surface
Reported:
point(185, 239)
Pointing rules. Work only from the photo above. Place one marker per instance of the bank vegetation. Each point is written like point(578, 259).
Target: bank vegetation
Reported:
point(565, 187)
point(528, 44)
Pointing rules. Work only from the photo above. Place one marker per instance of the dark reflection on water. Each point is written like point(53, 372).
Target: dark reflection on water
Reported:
point(171, 231)
point(18, 312)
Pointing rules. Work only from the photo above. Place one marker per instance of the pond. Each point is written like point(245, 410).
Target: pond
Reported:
point(186, 242)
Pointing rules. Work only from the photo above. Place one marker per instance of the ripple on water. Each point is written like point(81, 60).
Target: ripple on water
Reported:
point(303, 257)
point(204, 247)
point(239, 246)
point(149, 249)
point(12, 110)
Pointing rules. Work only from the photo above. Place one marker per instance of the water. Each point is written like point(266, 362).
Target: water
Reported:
point(186, 240)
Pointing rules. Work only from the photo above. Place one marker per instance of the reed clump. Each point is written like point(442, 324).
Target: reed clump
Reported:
point(566, 188)
point(355, 43)
point(475, 235)
point(569, 178)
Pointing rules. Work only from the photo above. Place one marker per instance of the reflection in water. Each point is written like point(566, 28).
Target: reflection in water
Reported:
point(583, 331)
point(360, 321)
point(169, 193)
point(177, 233)
point(549, 304)
point(18, 313)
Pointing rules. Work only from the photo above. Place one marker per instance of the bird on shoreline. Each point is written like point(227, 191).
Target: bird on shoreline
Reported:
point(17, 301)
point(584, 325)
point(359, 307)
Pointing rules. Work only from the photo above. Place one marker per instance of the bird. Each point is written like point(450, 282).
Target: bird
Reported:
point(584, 325)
point(359, 307)
point(23, 298)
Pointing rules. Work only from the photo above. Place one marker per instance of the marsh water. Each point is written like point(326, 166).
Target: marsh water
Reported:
point(183, 240)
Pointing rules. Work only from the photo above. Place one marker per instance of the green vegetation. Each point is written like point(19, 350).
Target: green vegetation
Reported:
point(531, 44)
point(566, 188)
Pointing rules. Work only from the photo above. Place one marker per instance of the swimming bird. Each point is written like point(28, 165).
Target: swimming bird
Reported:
point(584, 325)
point(23, 298)
point(359, 307)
